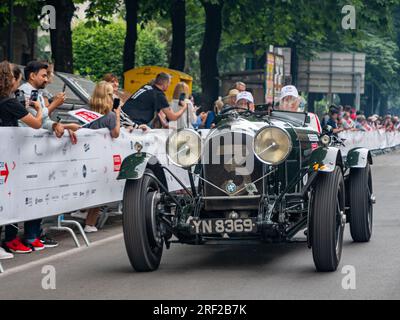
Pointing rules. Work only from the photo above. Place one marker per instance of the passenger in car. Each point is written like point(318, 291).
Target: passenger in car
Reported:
point(245, 100)
point(290, 99)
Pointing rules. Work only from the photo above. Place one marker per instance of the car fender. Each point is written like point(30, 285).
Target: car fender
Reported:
point(358, 158)
point(326, 159)
point(134, 166)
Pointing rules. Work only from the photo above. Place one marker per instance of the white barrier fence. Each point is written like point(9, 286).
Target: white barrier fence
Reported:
point(372, 140)
point(42, 176)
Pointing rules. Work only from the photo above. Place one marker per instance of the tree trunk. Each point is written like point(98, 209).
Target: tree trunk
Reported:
point(347, 99)
point(294, 66)
point(312, 97)
point(178, 48)
point(209, 52)
point(61, 36)
point(384, 106)
point(132, 7)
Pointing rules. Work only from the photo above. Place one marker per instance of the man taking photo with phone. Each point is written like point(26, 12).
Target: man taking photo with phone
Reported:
point(37, 79)
point(143, 107)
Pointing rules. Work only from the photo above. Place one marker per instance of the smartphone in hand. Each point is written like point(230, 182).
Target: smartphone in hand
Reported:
point(182, 98)
point(34, 97)
point(117, 103)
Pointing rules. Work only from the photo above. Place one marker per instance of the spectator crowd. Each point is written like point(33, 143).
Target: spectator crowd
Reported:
point(31, 105)
point(348, 119)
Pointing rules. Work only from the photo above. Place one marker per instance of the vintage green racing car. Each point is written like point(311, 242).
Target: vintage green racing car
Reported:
point(257, 176)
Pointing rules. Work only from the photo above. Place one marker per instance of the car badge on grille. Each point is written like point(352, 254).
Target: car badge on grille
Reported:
point(231, 187)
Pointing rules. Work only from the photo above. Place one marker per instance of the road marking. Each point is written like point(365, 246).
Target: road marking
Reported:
point(59, 256)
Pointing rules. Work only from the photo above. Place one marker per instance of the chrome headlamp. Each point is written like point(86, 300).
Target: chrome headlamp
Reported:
point(272, 145)
point(325, 140)
point(184, 148)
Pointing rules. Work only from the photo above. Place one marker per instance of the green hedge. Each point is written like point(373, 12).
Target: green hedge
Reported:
point(98, 49)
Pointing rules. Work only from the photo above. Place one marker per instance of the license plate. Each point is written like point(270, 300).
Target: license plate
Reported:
point(218, 226)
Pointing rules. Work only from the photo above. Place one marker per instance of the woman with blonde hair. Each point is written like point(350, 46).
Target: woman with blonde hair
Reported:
point(102, 102)
point(180, 100)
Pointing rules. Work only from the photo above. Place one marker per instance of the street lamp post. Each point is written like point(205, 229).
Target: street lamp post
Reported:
point(10, 43)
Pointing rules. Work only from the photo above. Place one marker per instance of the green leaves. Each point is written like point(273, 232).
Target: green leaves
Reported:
point(150, 49)
point(98, 49)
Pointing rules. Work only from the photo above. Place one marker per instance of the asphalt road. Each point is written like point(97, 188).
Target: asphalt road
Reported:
point(283, 271)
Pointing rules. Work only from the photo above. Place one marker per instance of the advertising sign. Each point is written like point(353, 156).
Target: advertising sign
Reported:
point(279, 77)
point(269, 78)
point(85, 116)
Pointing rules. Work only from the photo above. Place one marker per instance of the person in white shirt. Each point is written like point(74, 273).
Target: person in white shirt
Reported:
point(181, 100)
point(36, 75)
point(37, 79)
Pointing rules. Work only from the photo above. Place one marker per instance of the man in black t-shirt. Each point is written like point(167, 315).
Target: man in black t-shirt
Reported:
point(148, 101)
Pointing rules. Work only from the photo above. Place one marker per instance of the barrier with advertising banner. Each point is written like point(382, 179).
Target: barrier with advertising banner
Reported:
point(372, 140)
point(43, 176)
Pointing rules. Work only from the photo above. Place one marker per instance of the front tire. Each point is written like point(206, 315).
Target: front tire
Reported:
point(361, 206)
point(143, 240)
point(328, 220)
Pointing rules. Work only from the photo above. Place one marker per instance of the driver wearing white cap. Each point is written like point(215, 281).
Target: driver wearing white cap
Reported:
point(245, 100)
point(290, 99)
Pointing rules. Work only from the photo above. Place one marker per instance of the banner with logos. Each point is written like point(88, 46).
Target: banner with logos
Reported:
point(42, 176)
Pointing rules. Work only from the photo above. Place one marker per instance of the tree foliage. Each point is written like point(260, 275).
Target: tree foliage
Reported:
point(98, 48)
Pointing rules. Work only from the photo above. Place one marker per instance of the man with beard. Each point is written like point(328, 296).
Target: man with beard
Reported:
point(36, 80)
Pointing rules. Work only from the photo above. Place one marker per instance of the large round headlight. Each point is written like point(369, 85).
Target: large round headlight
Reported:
point(184, 148)
point(272, 145)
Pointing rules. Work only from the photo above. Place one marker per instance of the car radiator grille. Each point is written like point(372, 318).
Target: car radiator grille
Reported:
point(229, 159)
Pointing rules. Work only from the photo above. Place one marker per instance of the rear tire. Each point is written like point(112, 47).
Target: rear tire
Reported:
point(328, 220)
point(144, 247)
point(361, 207)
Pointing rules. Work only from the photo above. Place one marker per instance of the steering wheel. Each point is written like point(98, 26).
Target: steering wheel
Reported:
point(230, 108)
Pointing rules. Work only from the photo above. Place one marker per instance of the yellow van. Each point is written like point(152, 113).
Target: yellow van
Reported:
point(137, 78)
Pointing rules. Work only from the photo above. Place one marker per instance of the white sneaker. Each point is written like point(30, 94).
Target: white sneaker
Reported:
point(4, 255)
point(79, 215)
point(90, 229)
